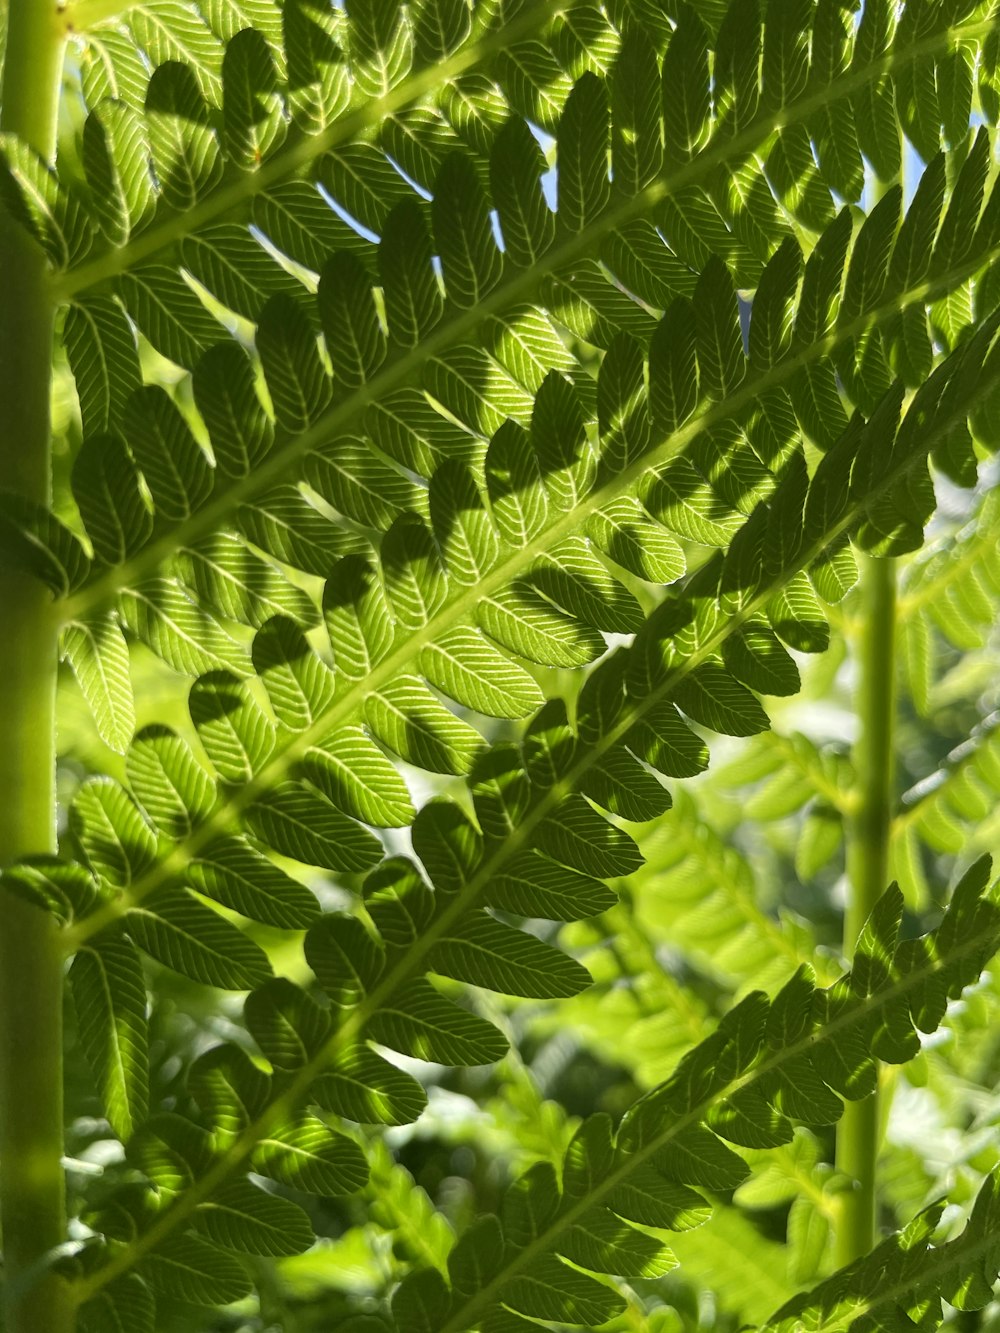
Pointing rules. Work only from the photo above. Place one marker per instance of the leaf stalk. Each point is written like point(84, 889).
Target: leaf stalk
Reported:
point(32, 1205)
point(867, 876)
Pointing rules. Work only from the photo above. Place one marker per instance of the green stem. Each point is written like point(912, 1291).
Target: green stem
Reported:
point(32, 1207)
point(867, 874)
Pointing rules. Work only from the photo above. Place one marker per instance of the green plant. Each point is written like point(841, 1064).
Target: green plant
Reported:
point(436, 526)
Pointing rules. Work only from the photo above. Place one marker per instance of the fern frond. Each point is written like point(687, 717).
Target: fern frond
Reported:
point(375, 980)
point(738, 1086)
point(907, 1276)
point(480, 390)
point(361, 609)
point(332, 222)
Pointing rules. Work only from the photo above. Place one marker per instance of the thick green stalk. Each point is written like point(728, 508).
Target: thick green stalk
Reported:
point(31, 988)
point(867, 873)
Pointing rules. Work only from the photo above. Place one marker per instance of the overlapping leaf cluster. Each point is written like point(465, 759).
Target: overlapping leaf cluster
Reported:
point(391, 499)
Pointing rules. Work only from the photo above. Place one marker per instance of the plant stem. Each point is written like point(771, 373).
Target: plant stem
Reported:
point(867, 874)
point(32, 1206)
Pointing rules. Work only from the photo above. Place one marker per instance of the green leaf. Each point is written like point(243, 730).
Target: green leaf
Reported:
point(228, 577)
point(582, 154)
point(36, 198)
point(463, 529)
point(572, 577)
point(680, 498)
point(773, 311)
point(755, 657)
point(620, 784)
point(604, 1242)
point(352, 772)
point(420, 1302)
point(514, 481)
point(516, 167)
point(231, 872)
point(114, 69)
point(869, 265)
point(710, 695)
point(350, 478)
point(300, 823)
point(686, 88)
point(577, 836)
point(253, 123)
point(357, 617)
point(622, 410)
point(171, 1152)
point(34, 539)
point(476, 389)
point(551, 1289)
point(318, 77)
point(413, 301)
point(420, 1022)
point(664, 741)
point(168, 312)
point(467, 668)
point(410, 721)
point(721, 364)
point(114, 837)
point(242, 1217)
point(175, 469)
point(405, 426)
point(106, 489)
point(623, 531)
point(226, 396)
point(101, 350)
point(229, 1088)
point(534, 886)
point(636, 146)
point(287, 1023)
point(64, 888)
point(185, 152)
point(182, 633)
point(415, 584)
point(346, 958)
point(177, 930)
point(306, 1155)
point(109, 993)
point(362, 1086)
point(558, 436)
point(234, 730)
point(283, 523)
point(524, 622)
point(171, 786)
point(471, 262)
point(123, 1306)
point(354, 339)
point(198, 1272)
point(299, 386)
point(116, 161)
point(450, 848)
point(484, 952)
point(239, 273)
point(674, 367)
point(298, 682)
